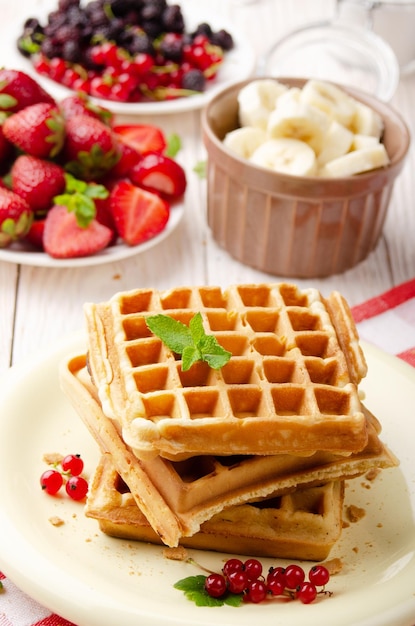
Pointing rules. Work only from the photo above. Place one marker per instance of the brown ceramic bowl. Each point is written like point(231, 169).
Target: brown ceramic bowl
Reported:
point(294, 226)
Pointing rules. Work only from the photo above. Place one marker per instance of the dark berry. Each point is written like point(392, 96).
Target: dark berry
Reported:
point(194, 80)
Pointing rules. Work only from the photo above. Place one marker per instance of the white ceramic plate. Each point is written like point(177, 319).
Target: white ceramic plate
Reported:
point(94, 580)
point(238, 64)
point(25, 255)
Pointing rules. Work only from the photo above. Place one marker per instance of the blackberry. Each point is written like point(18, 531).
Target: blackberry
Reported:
point(50, 49)
point(194, 80)
point(203, 29)
point(223, 39)
point(172, 48)
point(173, 20)
point(153, 28)
point(64, 5)
point(71, 51)
point(140, 43)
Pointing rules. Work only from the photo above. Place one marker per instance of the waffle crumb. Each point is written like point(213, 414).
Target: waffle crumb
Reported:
point(52, 458)
point(334, 566)
point(355, 513)
point(372, 473)
point(56, 521)
point(176, 554)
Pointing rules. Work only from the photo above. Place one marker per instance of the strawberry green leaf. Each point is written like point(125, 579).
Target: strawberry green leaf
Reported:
point(78, 198)
point(191, 342)
point(194, 590)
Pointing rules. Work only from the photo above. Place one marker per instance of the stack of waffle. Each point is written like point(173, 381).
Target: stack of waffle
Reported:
point(250, 458)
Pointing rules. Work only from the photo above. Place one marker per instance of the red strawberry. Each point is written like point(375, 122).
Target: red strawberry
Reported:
point(37, 181)
point(138, 214)
point(37, 130)
point(143, 137)
point(80, 104)
point(105, 217)
point(19, 90)
point(160, 174)
point(128, 158)
point(35, 234)
point(63, 238)
point(91, 148)
point(15, 217)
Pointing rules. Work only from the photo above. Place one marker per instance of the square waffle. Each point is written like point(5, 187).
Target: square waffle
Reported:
point(178, 496)
point(302, 525)
point(289, 387)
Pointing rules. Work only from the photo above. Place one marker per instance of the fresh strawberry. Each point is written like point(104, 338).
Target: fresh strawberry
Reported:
point(19, 90)
point(80, 104)
point(16, 217)
point(63, 238)
point(35, 234)
point(37, 181)
point(143, 137)
point(37, 130)
point(160, 174)
point(91, 148)
point(138, 214)
point(6, 152)
point(129, 157)
point(104, 216)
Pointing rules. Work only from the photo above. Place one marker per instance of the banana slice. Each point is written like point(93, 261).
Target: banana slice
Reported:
point(363, 141)
point(257, 99)
point(330, 99)
point(289, 156)
point(244, 141)
point(300, 121)
point(356, 162)
point(366, 121)
point(337, 141)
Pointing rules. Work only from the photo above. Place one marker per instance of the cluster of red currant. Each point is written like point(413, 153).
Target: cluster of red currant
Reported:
point(67, 471)
point(247, 578)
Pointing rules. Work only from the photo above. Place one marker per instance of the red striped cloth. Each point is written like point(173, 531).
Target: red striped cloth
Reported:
point(387, 321)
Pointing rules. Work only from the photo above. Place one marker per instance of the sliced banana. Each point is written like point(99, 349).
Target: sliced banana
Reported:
point(356, 162)
point(338, 141)
point(300, 121)
point(330, 99)
point(289, 156)
point(363, 141)
point(244, 141)
point(366, 121)
point(257, 99)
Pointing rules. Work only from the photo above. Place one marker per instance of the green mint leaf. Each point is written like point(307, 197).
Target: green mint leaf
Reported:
point(190, 355)
point(191, 342)
point(173, 333)
point(213, 353)
point(174, 145)
point(200, 169)
point(194, 590)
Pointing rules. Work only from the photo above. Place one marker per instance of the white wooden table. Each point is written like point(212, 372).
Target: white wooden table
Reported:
point(39, 305)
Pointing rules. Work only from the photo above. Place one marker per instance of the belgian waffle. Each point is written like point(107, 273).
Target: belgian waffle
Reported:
point(178, 496)
point(303, 525)
point(289, 387)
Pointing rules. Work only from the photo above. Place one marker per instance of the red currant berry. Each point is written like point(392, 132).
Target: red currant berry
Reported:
point(215, 585)
point(237, 581)
point(319, 575)
point(294, 576)
point(275, 587)
point(276, 573)
point(232, 565)
point(51, 481)
point(306, 592)
point(73, 464)
point(257, 591)
point(76, 488)
point(253, 569)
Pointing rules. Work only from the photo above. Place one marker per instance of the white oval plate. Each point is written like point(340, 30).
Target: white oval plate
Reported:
point(238, 64)
point(25, 255)
point(94, 580)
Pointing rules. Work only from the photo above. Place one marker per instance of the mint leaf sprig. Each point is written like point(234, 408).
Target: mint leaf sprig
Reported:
point(191, 342)
point(193, 588)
